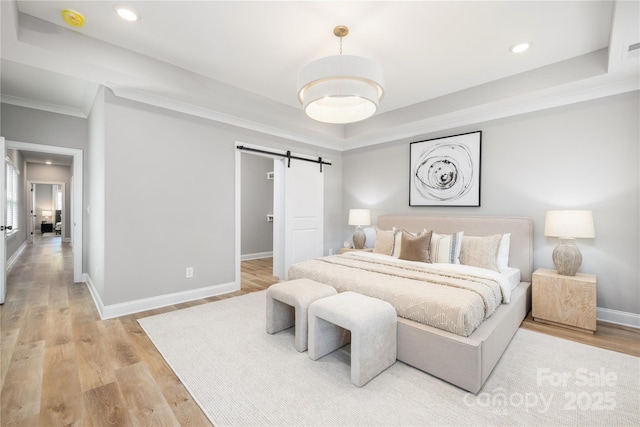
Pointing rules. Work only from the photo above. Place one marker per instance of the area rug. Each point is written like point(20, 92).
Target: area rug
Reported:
point(242, 376)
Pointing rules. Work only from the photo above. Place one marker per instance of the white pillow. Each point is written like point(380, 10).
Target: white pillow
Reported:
point(502, 260)
point(445, 248)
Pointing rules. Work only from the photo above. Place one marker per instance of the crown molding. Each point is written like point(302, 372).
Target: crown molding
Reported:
point(44, 106)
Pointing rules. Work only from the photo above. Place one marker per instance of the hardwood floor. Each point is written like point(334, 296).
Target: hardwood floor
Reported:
point(62, 365)
point(618, 338)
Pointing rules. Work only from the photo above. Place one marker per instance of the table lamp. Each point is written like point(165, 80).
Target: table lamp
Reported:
point(359, 217)
point(568, 225)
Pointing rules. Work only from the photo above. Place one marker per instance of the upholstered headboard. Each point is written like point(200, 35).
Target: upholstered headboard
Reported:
point(521, 229)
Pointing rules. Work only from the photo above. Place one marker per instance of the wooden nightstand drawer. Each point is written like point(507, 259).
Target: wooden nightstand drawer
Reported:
point(568, 301)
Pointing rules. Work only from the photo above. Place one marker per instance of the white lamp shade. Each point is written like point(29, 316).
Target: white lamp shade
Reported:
point(569, 223)
point(340, 88)
point(359, 217)
point(46, 213)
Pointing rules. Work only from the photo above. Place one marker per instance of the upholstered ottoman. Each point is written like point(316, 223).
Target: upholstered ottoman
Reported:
point(287, 305)
point(372, 326)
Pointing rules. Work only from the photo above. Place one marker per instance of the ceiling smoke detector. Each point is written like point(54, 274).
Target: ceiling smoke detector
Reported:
point(72, 18)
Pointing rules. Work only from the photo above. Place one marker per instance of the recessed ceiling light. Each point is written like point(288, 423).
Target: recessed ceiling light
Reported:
point(520, 47)
point(49, 162)
point(126, 13)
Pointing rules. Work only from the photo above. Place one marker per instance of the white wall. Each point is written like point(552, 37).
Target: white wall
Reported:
point(582, 156)
point(94, 203)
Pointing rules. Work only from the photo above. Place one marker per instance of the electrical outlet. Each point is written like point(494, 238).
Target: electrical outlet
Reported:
point(189, 272)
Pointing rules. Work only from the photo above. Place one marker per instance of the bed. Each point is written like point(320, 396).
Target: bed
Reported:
point(463, 357)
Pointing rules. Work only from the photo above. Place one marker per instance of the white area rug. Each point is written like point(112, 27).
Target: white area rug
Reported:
point(240, 375)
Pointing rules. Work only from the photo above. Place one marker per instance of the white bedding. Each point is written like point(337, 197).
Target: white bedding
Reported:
point(508, 279)
point(452, 297)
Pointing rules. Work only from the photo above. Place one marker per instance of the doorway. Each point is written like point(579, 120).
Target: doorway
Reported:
point(256, 207)
point(46, 209)
point(75, 193)
point(298, 214)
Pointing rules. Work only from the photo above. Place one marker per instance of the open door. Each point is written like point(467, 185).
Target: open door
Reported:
point(298, 208)
point(298, 214)
point(3, 213)
point(32, 214)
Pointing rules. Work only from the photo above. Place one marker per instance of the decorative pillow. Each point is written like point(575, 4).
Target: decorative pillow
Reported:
point(415, 247)
point(446, 247)
point(396, 242)
point(480, 251)
point(385, 241)
point(503, 252)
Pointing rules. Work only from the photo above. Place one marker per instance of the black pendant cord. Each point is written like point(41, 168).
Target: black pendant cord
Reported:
point(288, 156)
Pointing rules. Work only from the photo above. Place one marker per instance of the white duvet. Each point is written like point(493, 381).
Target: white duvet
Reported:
point(452, 297)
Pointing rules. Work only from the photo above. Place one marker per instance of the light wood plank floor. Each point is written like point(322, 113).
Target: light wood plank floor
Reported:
point(62, 365)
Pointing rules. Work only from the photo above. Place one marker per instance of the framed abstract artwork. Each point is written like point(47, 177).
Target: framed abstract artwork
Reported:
point(446, 171)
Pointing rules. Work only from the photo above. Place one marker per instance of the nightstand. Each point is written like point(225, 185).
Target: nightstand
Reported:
point(344, 250)
point(567, 301)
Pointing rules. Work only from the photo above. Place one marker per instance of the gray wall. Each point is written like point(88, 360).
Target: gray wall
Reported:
point(257, 202)
point(169, 199)
point(582, 156)
point(42, 127)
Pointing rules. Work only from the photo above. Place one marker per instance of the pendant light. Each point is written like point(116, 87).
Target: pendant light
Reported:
point(340, 88)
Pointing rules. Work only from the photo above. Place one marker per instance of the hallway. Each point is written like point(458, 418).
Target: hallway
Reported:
point(62, 365)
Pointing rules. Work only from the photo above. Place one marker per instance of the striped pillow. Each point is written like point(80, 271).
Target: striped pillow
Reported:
point(445, 248)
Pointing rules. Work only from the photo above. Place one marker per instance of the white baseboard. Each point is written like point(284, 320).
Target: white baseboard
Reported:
point(257, 255)
point(12, 260)
point(115, 310)
point(618, 317)
point(136, 306)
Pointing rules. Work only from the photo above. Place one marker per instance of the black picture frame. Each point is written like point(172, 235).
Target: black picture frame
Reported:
point(446, 171)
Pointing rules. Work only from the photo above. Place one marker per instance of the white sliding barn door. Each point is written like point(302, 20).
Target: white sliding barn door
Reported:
point(298, 214)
